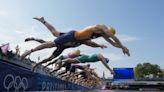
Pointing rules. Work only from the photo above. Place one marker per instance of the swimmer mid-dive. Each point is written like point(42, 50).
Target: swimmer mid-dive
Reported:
point(85, 35)
point(91, 58)
point(72, 54)
point(73, 68)
point(60, 49)
point(86, 74)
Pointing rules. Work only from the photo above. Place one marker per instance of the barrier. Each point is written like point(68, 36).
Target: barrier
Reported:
point(16, 78)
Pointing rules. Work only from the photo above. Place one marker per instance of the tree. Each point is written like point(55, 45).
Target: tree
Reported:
point(147, 70)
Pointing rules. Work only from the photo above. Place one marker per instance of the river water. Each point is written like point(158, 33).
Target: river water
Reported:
point(101, 91)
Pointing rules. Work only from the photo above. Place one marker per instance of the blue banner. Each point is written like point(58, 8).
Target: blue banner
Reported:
point(17, 78)
point(123, 73)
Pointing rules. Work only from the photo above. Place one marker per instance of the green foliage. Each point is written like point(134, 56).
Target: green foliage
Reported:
point(147, 70)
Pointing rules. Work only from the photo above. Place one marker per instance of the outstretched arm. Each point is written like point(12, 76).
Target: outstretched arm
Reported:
point(93, 44)
point(103, 60)
point(106, 65)
point(106, 35)
point(112, 42)
point(116, 42)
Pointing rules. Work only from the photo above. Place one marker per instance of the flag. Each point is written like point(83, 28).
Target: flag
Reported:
point(5, 48)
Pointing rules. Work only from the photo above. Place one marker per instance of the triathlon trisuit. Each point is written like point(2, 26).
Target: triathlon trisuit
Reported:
point(67, 65)
point(60, 49)
point(75, 36)
point(86, 34)
point(72, 37)
point(74, 67)
point(86, 58)
point(65, 38)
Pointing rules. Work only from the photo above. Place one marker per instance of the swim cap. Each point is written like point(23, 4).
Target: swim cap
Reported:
point(111, 29)
point(88, 65)
point(77, 51)
point(107, 60)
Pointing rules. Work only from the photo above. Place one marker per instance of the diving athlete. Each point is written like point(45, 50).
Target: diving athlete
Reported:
point(75, 36)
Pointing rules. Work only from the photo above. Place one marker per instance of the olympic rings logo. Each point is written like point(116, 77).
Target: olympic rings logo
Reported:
point(15, 82)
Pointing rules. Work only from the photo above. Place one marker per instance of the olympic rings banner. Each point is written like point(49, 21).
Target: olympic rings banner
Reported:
point(15, 78)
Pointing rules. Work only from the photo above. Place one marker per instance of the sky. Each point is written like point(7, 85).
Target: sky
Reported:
point(139, 25)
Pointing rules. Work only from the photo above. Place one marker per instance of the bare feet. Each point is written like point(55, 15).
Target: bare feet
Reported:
point(29, 39)
point(41, 19)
